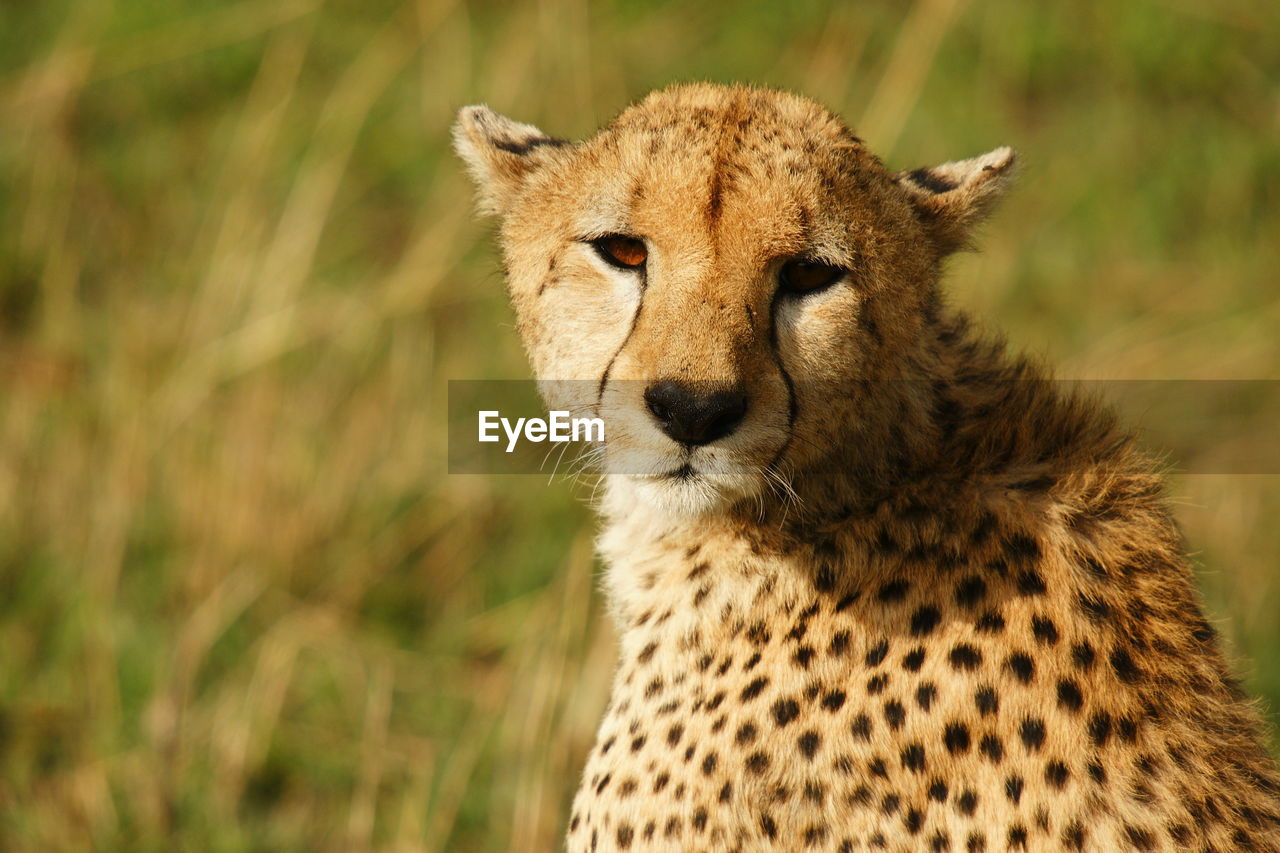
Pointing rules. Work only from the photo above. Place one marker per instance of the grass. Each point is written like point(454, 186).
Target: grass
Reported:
point(242, 605)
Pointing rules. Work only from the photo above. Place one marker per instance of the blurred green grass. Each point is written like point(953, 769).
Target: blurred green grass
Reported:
point(243, 607)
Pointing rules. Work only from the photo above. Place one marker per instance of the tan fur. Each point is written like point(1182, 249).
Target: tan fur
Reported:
point(921, 599)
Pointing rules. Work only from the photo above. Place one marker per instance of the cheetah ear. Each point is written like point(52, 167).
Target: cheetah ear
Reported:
point(954, 197)
point(500, 154)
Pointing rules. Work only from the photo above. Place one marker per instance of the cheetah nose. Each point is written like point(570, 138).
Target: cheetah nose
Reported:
point(694, 418)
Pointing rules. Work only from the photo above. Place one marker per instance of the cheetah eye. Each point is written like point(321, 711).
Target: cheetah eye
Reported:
point(628, 253)
point(802, 276)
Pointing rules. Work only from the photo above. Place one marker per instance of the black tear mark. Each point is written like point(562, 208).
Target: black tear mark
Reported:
point(635, 319)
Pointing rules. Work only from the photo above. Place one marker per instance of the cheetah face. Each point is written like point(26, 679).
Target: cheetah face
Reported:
point(722, 274)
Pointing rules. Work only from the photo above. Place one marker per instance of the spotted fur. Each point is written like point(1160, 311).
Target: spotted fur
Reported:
point(964, 621)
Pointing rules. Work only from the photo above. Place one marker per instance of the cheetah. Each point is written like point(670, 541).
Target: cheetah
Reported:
point(880, 585)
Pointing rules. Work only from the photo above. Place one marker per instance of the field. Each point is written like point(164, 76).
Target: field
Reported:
point(242, 604)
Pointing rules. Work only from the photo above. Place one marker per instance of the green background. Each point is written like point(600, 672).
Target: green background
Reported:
point(243, 607)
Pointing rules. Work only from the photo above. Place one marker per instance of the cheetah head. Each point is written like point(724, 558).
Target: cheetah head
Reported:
point(722, 274)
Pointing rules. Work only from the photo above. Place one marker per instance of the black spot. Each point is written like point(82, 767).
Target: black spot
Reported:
point(1097, 773)
point(938, 791)
point(1124, 666)
point(877, 654)
point(860, 728)
point(809, 743)
point(1022, 667)
point(759, 634)
point(990, 622)
point(925, 695)
point(647, 652)
point(768, 827)
point(970, 591)
point(1031, 583)
point(1127, 728)
point(991, 747)
point(1013, 789)
point(983, 529)
point(1069, 695)
point(1036, 484)
point(1032, 733)
point(876, 767)
point(674, 734)
point(913, 757)
point(803, 655)
point(757, 763)
point(967, 803)
point(885, 543)
point(1017, 837)
point(977, 843)
point(894, 714)
point(801, 628)
point(638, 744)
point(913, 820)
point(893, 591)
point(1095, 568)
point(709, 763)
point(1073, 836)
point(726, 792)
point(1056, 774)
point(814, 835)
point(1204, 632)
point(1021, 549)
point(1082, 655)
point(890, 803)
point(625, 834)
point(839, 644)
point(1139, 838)
point(914, 659)
point(660, 782)
point(956, 737)
point(877, 683)
point(825, 578)
point(834, 700)
point(1044, 629)
point(846, 602)
point(1095, 608)
point(965, 657)
point(785, 710)
point(754, 689)
point(924, 620)
point(746, 734)
point(987, 701)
